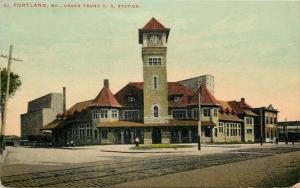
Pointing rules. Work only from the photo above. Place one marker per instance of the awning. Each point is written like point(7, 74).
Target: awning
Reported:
point(229, 117)
point(172, 123)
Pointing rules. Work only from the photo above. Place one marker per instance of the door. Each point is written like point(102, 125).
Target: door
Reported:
point(156, 136)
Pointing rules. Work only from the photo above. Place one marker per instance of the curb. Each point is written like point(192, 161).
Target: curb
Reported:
point(113, 151)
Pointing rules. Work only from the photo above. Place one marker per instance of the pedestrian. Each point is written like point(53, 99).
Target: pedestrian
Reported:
point(137, 141)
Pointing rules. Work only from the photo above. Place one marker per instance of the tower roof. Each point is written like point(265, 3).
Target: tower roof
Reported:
point(153, 25)
point(105, 98)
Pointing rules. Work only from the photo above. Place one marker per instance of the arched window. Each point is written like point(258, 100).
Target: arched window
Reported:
point(155, 82)
point(155, 111)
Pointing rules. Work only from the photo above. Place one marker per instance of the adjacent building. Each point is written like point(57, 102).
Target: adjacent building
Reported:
point(265, 124)
point(40, 112)
point(194, 83)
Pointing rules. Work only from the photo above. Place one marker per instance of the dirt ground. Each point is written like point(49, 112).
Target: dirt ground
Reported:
point(282, 170)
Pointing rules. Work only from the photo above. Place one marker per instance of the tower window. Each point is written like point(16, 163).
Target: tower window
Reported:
point(154, 61)
point(155, 111)
point(155, 82)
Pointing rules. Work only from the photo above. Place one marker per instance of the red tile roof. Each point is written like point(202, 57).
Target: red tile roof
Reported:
point(175, 88)
point(241, 108)
point(105, 99)
point(78, 107)
point(206, 97)
point(153, 24)
point(139, 85)
point(187, 96)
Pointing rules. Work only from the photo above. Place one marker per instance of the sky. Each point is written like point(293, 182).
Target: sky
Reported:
point(252, 48)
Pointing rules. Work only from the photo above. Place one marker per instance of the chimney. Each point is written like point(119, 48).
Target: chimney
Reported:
point(64, 99)
point(106, 83)
point(243, 100)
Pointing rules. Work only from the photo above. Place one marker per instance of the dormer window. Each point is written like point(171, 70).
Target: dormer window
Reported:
point(176, 98)
point(153, 61)
point(131, 99)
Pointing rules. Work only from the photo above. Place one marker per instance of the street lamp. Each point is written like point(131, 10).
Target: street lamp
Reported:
point(261, 128)
point(285, 132)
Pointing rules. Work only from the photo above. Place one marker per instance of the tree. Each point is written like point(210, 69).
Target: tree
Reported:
point(14, 85)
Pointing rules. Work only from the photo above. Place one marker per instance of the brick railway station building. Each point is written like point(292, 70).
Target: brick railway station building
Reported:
point(155, 110)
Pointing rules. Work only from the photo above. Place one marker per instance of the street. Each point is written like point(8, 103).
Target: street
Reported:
point(121, 168)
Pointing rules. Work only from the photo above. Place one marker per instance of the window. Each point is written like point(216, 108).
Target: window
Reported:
point(249, 120)
point(221, 127)
point(96, 114)
point(104, 134)
point(103, 113)
point(227, 129)
point(131, 99)
point(131, 114)
point(267, 120)
point(249, 131)
point(154, 61)
point(215, 112)
point(179, 114)
point(155, 111)
point(195, 113)
point(89, 130)
point(275, 120)
point(271, 120)
point(114, 113)
point(216, 132)
point(206, 112)
point(155, 84)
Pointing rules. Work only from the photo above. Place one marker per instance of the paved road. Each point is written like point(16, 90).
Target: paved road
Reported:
point(126, 170)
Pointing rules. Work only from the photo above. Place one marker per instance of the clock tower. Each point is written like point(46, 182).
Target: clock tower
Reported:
point(153, 37)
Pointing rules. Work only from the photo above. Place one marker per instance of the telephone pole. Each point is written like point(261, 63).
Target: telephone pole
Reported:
point(261, 128)
point(285, 132)
point(199, 121)
point(10, 59)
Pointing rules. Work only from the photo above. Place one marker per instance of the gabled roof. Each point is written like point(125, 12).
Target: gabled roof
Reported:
point(105, 99)
point(225, 107)
point(153, 24)
point(241, 108)
point(139, 85)
point(78, 107)
point(206, 97)
point(133, 89)
point(175, 88)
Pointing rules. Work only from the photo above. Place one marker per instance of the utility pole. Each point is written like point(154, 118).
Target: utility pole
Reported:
point(261, 128)
point(10, 59)
point(199, 121)
point(285, 132)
